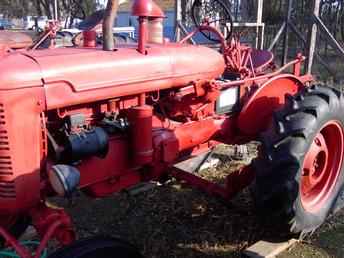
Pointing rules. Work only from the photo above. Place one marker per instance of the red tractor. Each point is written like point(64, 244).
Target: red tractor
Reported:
point(103, 119)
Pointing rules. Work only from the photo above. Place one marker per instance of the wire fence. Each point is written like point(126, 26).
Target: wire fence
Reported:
point(274, 15)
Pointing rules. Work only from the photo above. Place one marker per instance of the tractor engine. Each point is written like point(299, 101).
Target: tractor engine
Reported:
point(102, 120)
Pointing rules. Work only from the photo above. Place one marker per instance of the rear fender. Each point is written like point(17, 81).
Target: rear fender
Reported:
point(256, 113)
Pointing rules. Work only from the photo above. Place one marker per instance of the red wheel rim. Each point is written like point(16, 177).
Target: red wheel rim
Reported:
point(322, 166)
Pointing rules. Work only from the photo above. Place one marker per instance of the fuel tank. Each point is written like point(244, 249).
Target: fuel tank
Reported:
point(81, 75)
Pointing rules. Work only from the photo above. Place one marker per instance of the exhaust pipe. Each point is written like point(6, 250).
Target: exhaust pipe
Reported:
point(150, 18)
point(108, 22)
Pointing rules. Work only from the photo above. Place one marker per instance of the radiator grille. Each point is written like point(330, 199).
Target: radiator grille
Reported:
point(7, 189)
point(5, 158)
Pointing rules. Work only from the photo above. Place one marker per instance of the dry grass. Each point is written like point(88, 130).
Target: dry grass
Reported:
point(231, 158)
point(175, 220)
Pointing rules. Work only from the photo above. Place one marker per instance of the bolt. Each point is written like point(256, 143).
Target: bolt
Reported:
point(305, 172)
point(313, 169)
point(317, 141)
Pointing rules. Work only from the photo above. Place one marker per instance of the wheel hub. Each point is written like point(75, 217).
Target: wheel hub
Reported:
point(316, 160)
point(321, 166)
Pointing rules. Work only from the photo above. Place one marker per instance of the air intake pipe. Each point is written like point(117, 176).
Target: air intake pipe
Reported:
point(150, 23)
point(148, 12)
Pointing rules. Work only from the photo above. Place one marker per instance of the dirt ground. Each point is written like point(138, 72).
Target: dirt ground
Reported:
point(175, 220)
point(327, 242)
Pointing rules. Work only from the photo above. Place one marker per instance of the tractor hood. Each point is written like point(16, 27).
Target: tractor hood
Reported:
point(18, 70)
point(81, 75)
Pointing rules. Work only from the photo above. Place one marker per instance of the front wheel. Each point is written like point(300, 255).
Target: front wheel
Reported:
point(98, 247)
point(299, 174)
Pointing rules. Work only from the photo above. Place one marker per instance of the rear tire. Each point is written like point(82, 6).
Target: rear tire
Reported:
point(98, 247)
point(299, 173)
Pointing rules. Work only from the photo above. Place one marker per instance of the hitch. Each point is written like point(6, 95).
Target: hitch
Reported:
point(235, 181)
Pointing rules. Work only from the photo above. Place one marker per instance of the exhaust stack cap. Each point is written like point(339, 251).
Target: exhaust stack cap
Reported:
point(146, 8)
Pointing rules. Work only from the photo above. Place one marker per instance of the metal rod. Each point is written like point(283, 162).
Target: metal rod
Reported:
point(20, 250)
point(262, 36)
point(55, 11)
point(265, 76)
point(40, 41)
point(178, 20)
point(142, 99)
point(205, 28)
point(313, 37)
point(259, 37)
point(286, 33)
point(142, 35)
point(185, 31)
point(333, 42)
point(49, 233)
point(318, 57)
point(277, 37)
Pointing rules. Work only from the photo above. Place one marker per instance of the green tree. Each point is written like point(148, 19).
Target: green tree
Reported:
point(71, 8)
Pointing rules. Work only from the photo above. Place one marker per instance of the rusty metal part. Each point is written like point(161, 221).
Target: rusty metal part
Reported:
point(235, 182)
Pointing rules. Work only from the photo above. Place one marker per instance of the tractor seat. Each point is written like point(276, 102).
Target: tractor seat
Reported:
point(261, 59)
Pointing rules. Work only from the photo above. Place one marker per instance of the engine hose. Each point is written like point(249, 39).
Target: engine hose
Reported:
point(9, 253)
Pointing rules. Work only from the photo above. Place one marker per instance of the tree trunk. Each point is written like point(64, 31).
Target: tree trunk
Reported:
point(109, 19)
point(37, 4)
point(47, 8)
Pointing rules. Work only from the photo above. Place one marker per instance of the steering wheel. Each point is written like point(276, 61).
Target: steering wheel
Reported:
point(214, 13)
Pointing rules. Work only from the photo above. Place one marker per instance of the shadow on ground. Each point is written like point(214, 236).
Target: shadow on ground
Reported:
point(174, 221)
